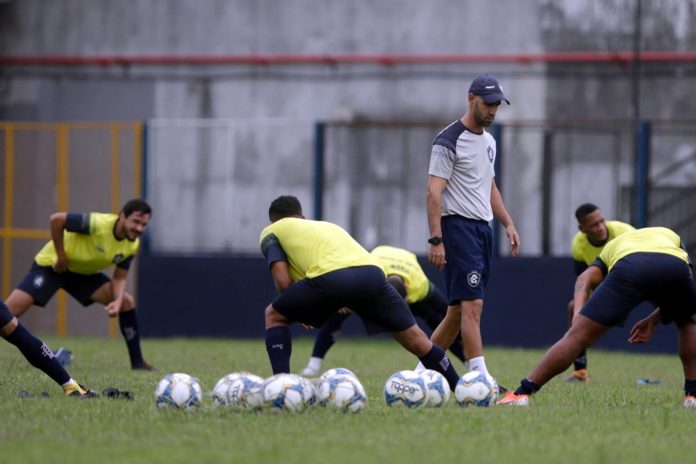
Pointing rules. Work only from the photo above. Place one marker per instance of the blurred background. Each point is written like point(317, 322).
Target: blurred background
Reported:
point(210, 109)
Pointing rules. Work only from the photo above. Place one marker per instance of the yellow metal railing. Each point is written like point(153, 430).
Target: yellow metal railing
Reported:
point(13, 163)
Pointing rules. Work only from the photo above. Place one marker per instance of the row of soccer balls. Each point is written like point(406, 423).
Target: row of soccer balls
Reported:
point(337, 388)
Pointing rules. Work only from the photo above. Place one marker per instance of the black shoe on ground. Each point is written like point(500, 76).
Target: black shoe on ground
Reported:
point(143, 367)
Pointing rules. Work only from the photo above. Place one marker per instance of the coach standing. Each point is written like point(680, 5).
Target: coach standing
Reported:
point(462, 199)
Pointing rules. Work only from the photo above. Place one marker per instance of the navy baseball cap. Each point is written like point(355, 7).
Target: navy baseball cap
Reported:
point(488, 88)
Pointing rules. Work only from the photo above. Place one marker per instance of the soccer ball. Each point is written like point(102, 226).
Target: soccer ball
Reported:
point(244, 392)
point(343, 392)
point(178, 391)
point(284, 392)
point(310, 391)
point(476, 388)
point(406, 388)
point(438, 388)
point(337, 371)
point(219, 394)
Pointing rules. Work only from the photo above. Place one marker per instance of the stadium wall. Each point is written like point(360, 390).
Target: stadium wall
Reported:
point(526, 302)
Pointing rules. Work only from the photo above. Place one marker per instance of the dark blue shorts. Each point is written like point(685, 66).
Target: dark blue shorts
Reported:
point(42, 282)
point(468, 251)
point(432, 309)
point(661, 279)
point(5, 315)
point(363, 289)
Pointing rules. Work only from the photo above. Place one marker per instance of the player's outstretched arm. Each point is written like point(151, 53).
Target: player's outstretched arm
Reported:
point(57, 222)
point(643, 330)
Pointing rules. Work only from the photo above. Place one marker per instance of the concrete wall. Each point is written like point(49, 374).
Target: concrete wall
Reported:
point(210, 194)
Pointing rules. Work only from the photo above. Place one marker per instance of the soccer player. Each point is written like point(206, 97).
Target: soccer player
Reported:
point(462, 198)
point(318, 268)
point(593, 234)
point(38, 353)
point(406, 275)
point(81, 246)
point(648, 264)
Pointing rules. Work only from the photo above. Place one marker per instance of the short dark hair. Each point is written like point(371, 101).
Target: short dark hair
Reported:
point(583, 210)
point(398, 283)
point(284, 206)
point(136, 204)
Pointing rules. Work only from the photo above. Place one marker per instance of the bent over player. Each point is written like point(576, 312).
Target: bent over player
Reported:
point(318, 268)
point(648, 264)
point(593, 234)
point(81, 246)
point(406, 275)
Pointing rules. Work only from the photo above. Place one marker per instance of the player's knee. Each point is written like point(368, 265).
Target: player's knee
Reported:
point(273, 317)
point(128, 303)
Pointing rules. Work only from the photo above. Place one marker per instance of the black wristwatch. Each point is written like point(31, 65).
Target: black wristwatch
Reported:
point(435, 240)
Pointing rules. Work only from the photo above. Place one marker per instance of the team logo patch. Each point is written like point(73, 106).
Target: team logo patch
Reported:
point(489, 150)
point(473, 278)
point(118, 258)
point(38, 281)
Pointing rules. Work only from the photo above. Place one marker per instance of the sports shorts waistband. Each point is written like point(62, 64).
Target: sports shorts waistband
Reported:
point(462, 218)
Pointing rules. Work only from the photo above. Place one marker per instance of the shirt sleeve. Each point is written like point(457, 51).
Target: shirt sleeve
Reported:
point(601, 265)
point(272, 250)
point(441, 161)
point(77, 222)
point(125, 264)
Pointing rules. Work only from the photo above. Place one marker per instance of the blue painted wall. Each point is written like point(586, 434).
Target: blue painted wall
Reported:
point(224, 296)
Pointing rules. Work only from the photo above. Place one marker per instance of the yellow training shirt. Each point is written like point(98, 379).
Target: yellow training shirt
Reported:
point(584, 251)
point(90, 252)
point(397, 261)
point(313, 248)
point(647, 240)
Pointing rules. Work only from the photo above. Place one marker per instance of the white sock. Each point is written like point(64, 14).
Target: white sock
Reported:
point(420, 367)
point(69, 382)
point(478, 364)
point(314, 363)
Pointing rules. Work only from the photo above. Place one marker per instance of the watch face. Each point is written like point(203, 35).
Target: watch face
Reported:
point(435, 240)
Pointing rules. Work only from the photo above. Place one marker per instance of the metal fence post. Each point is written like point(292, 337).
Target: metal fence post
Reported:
point(641, 181)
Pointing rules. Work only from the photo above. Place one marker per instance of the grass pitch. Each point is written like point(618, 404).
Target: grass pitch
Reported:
point(611, 420)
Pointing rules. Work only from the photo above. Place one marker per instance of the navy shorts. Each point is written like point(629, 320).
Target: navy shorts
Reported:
point(42, 282)
point(468, 251)
point(363, 289)
point(664, 280)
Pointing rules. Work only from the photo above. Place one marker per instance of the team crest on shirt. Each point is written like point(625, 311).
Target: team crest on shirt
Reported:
point(38, 281)
point(489, 150)
point(118, 258)
point(473, 278)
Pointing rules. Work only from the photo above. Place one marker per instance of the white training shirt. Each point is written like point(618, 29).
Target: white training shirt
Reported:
point(465, 159)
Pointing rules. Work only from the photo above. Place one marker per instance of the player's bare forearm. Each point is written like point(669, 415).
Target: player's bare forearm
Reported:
point(504, 218)
point(584, 285)
point(57, 224)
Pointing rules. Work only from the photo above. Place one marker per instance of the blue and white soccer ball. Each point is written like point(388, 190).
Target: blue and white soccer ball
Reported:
point(178, 390)
point(438, 388)
point(244, 392)
point(219, 393)
point(343, 392)
point(310, 391)
point(477, 389)
point(336, 371)
point(284, 392)
point(406, 389)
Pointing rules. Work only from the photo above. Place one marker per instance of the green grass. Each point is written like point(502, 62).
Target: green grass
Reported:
point(610, 420)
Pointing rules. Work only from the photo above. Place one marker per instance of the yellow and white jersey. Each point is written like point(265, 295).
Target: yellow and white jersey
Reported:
point(312, 248)
point(92, 250)
point(647, 240)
